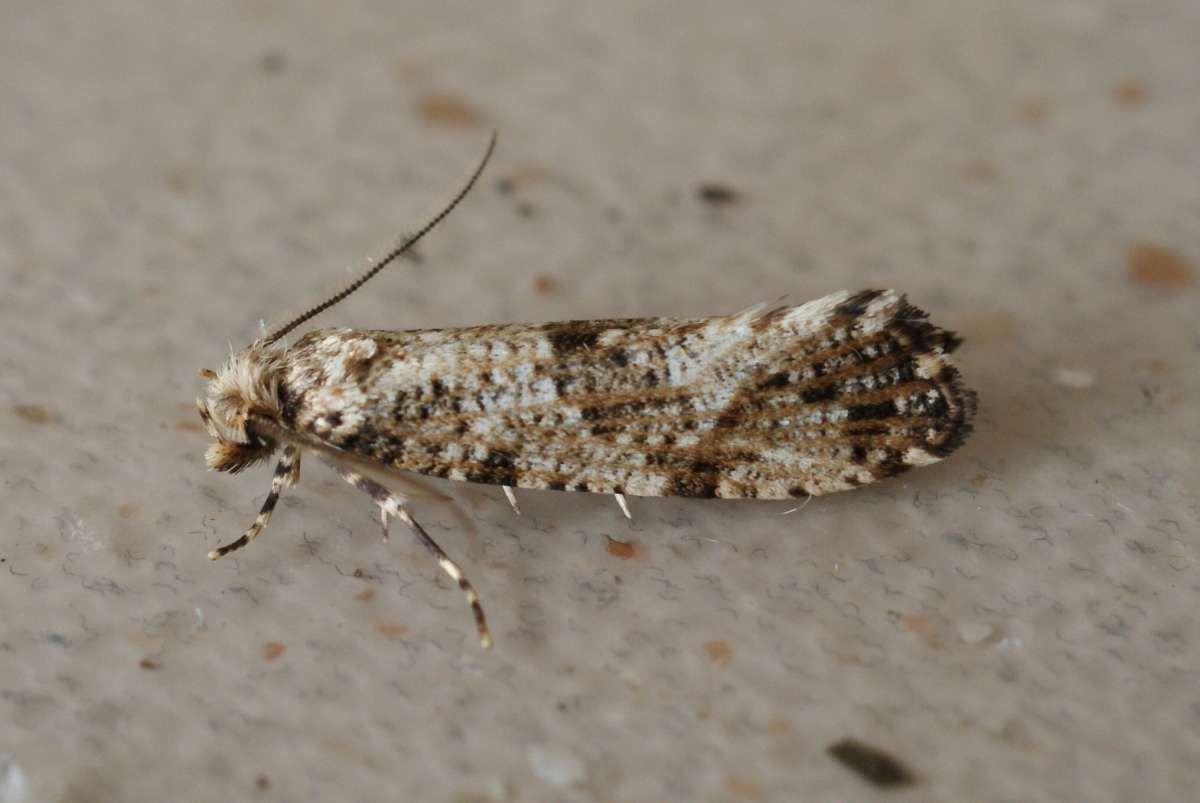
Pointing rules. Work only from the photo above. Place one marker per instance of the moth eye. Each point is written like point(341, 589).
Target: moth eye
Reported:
point(255, 440)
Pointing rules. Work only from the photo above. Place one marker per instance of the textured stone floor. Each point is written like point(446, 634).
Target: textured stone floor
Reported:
point(1016, 623)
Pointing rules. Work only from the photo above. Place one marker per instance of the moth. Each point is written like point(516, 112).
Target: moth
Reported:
point(774, 402)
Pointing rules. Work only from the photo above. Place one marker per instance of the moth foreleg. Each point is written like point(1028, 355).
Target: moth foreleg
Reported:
point(624, 506)
point(512, 499)
point(287, 472)
point(392, 505)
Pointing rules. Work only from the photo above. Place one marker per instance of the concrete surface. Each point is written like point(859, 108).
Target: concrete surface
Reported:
point(1016, 623)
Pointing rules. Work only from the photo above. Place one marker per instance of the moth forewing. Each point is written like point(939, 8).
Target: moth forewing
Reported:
point(769, 403)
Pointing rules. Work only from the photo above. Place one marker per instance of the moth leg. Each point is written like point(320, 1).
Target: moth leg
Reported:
point(624, 506)
point(512, 499)
point(790, 510)
point(287, 472)
point(392, 505)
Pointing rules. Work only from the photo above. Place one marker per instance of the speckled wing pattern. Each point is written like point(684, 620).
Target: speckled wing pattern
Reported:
point(769, 403)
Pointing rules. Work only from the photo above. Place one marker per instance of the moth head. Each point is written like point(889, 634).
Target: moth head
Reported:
point(245, 389)
point(248, 388)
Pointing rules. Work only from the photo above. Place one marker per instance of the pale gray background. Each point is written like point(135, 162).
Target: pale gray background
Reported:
point(1017, 623)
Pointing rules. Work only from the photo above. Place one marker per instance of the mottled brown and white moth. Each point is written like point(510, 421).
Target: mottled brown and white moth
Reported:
point(774, 402)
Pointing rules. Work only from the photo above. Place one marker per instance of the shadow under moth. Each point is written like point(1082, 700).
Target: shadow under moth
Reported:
point(774, 402)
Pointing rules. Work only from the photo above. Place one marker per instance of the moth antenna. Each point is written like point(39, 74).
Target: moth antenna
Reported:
point(391, 256)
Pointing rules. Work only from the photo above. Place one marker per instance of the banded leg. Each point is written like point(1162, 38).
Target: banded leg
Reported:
point(512, 499)
point(392, 505)
point(383, 522)
point(287, 472)
point(624, 506)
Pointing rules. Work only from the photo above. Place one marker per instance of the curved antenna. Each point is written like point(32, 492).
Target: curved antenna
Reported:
point(391, 256)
